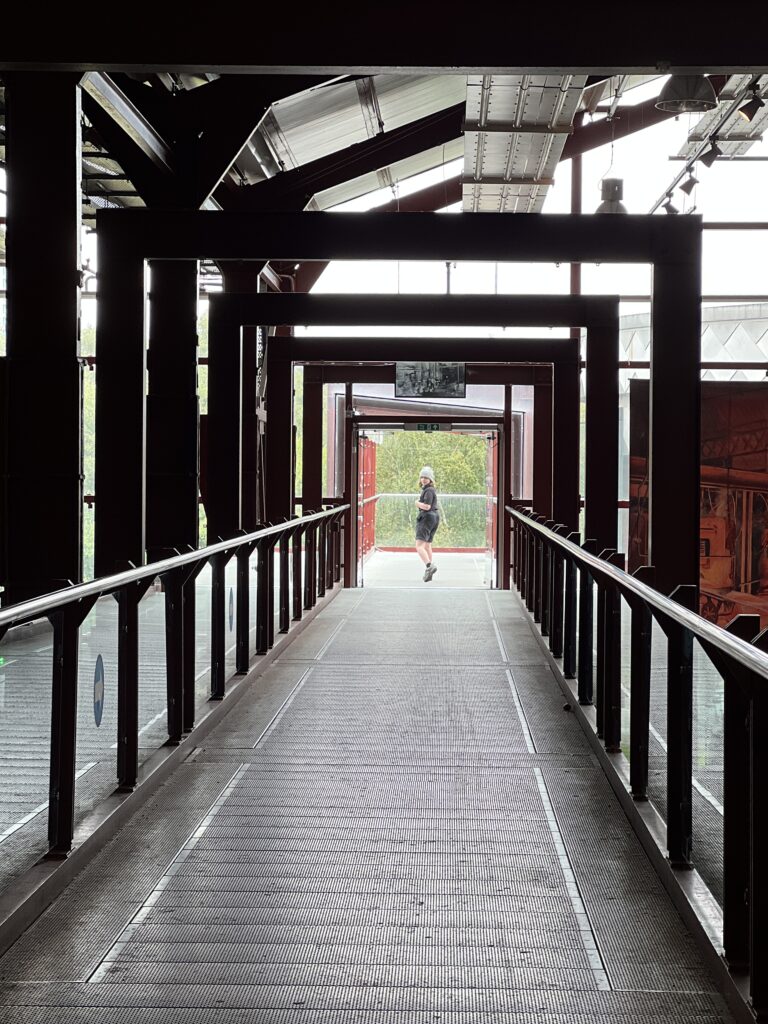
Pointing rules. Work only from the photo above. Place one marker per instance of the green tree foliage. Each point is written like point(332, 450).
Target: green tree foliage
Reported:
point(459, 463)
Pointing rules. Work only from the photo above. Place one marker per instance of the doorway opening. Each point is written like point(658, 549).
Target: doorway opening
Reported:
point(388, 459)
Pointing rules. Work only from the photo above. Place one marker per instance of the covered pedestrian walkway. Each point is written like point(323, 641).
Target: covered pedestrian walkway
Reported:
point(399, 820)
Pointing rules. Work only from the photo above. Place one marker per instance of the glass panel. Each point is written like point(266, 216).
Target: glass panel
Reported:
point(276, 588)
point(230, 617)
point(26, 666)
point(708, 745)
point(253, 588)
point(96, 760)
point(626, 674)
point(153, 692)
point(203, 636)
point(657, 740)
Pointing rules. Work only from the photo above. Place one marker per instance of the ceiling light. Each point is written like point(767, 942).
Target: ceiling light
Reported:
point(752, 106)
point(711, 154)
point(688, 186)
point(611, 191)
point(684, 94)
point(668, 207)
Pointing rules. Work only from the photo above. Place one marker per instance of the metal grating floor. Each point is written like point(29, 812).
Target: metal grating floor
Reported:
point(398, 823)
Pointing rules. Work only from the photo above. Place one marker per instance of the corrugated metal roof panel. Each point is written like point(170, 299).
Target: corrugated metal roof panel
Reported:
point(516, 128)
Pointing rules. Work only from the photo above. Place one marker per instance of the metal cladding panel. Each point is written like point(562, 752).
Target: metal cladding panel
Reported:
point(325, 120)
point(736, 136)
point(400, 171)
point(543, 101)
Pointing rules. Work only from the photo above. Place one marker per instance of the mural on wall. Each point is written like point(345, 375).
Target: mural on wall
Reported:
point(734, 496)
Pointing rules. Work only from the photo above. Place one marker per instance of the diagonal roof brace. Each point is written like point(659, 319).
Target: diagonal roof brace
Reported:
point(113, 100)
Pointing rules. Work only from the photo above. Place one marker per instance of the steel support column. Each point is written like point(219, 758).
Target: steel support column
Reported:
point(279, 461)
point(565, 440)
point(173, 453)
point(223, 498)
point(675, 413)
point(41, 526)
point(312, 445)
point(602, 459)
point(542, 449)
point(505, 495)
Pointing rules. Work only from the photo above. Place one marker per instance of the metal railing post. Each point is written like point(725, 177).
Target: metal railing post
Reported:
point(263, 584)
point(284, 619)
point(66, 623)
point(556, 600)
point(128, 686)
point(612, 688)
point(298, 586)
point(218, 632)
point(586, 625)
point(569, 623)
point(680, 732)
point(640, 686)
point(605, 555)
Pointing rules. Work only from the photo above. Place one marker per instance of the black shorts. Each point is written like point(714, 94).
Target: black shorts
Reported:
point(426, 525)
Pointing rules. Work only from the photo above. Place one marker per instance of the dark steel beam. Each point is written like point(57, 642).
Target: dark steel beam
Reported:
point(41, 523)
point(312, 447)
point(293, 189)
point(279, 446)
point(626, 121)
point(235, 234)
point(368, 44)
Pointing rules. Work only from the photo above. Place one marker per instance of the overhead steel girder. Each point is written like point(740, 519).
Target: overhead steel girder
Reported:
point(242, 235)
point(672, 245)
point(369, 44)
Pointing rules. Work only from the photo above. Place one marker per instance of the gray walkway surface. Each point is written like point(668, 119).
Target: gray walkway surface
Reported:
point(398, 823)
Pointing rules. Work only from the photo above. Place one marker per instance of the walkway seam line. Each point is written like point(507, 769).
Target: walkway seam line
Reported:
point(286, 703)
point(179, 857)
point(586, 931)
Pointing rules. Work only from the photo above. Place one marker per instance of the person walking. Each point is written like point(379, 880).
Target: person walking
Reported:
point(427, 520)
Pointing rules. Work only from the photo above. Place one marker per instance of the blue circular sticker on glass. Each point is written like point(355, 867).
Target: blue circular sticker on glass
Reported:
point(231, 608)
point(98, 690)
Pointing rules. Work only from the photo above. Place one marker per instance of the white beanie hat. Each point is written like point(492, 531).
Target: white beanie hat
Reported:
point(428, 472)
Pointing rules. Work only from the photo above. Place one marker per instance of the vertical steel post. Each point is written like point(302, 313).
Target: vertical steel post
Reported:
point(41, 523)
point(758, 885)
point(61, 801)
point(128, 687)
point(680, 733)
point(586, 625)
point(218, 632)
point(296, 542)
point(605, 554)
point(570, 624)
point(174, 651)
point(640, 687)
point(736, 802)
point(190, 638)
point(272, 541)
point(263, 584)
point(321, 557)
point(612, 688)
point(546, 587)
point(556, 603)
point(285, 601)
point(242, 641)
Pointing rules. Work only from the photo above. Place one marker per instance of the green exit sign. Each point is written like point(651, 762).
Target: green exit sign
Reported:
point(428, 426)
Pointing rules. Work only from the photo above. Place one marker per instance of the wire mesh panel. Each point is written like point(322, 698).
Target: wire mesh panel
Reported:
point(708, 755)
point(153, 695)
point(26, 663)
point(96, 758)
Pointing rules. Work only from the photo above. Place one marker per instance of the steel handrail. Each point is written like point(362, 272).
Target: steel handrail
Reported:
point(739, 650)
point(38, 607)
